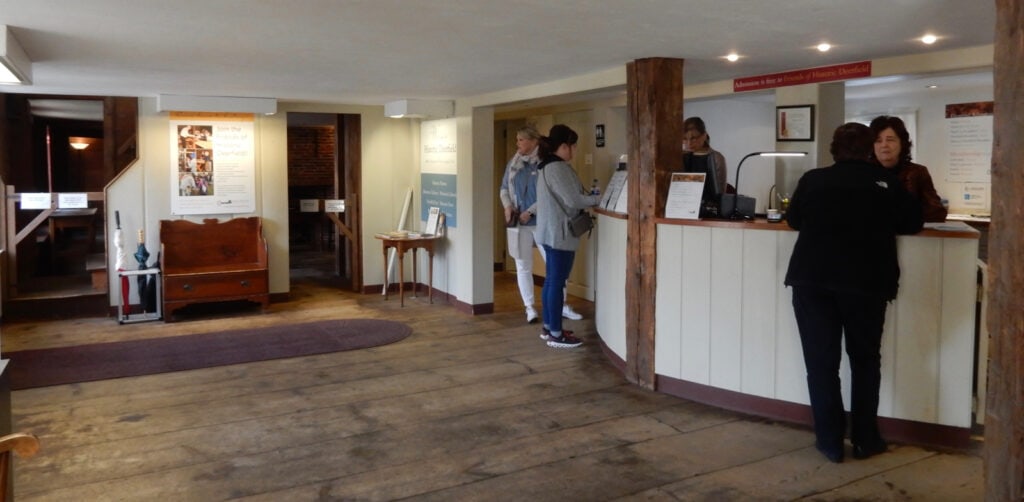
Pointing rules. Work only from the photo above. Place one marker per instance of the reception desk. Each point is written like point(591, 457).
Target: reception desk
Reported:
point(725, 333)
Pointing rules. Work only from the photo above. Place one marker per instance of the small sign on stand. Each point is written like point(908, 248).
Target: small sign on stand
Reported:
point(684, 196)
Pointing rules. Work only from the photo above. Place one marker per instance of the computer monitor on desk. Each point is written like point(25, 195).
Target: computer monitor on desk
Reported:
point(711, 197)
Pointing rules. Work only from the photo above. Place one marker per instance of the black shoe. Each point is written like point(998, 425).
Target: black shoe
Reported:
point(833, 454)
point(862, 451)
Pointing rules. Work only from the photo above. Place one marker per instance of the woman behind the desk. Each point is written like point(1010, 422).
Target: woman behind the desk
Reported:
point(699, 157)
point(892, 151)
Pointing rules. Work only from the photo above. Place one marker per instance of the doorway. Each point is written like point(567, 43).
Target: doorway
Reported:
point(65, 149)
point(324, 167)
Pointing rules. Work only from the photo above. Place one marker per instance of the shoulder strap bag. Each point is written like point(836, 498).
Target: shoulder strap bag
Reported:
point(579, 223)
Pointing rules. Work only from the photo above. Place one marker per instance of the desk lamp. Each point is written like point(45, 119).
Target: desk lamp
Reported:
point(734, 212)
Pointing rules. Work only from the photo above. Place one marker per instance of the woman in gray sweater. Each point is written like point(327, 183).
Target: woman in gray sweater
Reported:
point(560, 195)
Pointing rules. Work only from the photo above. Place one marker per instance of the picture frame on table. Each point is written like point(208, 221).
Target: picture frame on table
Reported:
point(794, 123)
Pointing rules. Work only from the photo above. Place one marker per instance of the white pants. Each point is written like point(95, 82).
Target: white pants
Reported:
point(520, 248)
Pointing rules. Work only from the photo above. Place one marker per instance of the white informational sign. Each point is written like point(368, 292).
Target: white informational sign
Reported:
point(684, 196)
point(334, 206)
point(622, 201)
point(36, 200)
point(611, 193)
point(438, 168)
point(72, 200)
point(309, 205)
point(432, 221)
point(213, 166)
point(970, 149)
point(975, 199)
point(969, 141)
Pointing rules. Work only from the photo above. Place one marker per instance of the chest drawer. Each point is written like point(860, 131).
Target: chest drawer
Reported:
point(215, 285)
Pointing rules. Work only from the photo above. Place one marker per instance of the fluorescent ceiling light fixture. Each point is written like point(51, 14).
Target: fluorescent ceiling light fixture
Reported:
point(15, 66)
point(224, 104)
point(419, 109)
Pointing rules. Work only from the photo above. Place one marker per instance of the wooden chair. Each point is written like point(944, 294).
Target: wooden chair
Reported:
point(25, 445)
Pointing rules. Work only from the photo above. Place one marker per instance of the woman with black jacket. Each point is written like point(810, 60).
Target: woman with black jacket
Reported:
point(844, 271)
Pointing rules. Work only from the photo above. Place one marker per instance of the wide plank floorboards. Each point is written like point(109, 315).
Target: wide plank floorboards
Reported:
point(467, 408)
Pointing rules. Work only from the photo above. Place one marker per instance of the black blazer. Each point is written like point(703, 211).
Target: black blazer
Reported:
point(848, 216)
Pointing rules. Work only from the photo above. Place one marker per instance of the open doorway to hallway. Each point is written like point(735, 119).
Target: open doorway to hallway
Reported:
point(323, 167)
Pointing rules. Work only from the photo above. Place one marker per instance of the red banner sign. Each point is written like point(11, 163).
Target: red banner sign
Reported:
point(798, 77)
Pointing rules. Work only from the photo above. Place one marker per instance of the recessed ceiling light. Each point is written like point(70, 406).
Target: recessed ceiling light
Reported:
point(824, 47)
point(732, 57)
point(931, 86)
point(929, 39)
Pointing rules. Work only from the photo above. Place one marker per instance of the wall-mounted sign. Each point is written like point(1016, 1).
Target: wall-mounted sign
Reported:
point(72, 200)
point(36, 201)
point(309, 205)
point(799, 77)
point(438, 169)
point(334, 206)
point(213, 163)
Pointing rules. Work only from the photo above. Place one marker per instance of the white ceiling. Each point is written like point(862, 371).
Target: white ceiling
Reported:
point(375, 51)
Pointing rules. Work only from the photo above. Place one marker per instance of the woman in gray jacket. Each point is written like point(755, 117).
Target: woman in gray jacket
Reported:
point(560, 195)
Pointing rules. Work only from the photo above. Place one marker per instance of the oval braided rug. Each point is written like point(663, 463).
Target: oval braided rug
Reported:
point(82, 363)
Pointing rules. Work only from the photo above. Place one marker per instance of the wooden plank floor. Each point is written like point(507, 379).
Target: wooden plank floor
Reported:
point(467, 408)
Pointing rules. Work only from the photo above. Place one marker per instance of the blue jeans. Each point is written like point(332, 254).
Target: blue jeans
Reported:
point(552, 297)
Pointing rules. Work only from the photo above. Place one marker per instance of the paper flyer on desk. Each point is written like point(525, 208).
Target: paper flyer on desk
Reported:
point(684, 196)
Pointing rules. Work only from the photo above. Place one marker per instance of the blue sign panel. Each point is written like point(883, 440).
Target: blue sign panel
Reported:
point(438, 190)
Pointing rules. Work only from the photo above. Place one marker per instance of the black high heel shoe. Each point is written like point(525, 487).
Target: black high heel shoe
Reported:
point(833, 454)
point(862, 451)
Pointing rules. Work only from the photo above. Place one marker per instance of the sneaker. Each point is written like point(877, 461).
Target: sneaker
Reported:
point(545, 334)
point(531, 315)
point(569, 313)
point(566, 341)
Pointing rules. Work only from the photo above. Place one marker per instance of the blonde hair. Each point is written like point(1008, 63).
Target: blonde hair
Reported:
point(527, 132)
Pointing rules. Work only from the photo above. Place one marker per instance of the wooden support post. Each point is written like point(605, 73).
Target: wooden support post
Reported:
point(1004, 418)
point(654, 99)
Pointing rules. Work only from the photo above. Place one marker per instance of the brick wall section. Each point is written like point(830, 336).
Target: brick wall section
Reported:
point(311, 156)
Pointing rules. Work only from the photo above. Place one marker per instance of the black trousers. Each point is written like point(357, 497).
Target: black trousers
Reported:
point(823, 318)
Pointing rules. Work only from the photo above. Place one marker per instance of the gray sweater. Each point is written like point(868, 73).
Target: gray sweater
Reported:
point(558, 180)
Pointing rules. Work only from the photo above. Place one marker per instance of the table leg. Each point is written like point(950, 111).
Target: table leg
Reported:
point(385, 272)
point(430, 278)
point(401, 276)
point(415, 288)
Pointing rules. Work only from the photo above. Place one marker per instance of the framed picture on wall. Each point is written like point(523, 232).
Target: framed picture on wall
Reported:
point(794, 123)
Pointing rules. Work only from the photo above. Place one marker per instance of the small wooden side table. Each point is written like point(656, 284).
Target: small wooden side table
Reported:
point(401, 245)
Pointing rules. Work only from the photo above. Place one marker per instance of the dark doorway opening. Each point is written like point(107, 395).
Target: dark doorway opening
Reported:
point(323, 166)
